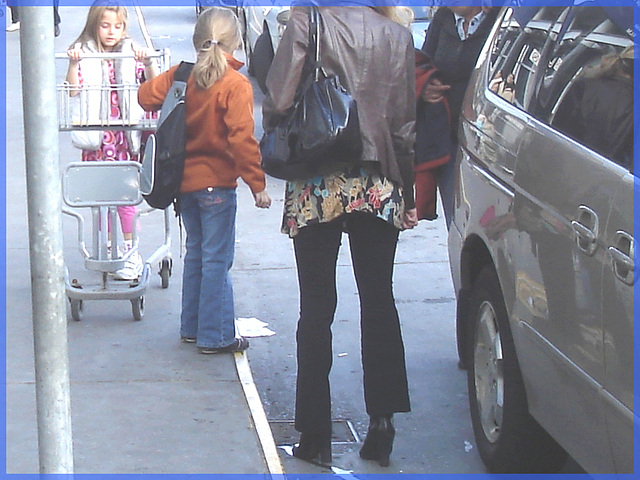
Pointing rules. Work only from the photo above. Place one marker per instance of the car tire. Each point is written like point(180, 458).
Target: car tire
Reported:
point(509, 440)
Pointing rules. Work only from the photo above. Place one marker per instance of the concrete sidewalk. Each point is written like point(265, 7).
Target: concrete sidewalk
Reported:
point(141, 401)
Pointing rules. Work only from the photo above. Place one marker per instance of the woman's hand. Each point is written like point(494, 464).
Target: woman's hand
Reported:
point(263, 200)
point(410, 219)
point(434, 91)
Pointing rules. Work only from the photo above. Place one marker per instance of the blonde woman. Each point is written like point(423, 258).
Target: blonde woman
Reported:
point(370, 198)
point(220, 148)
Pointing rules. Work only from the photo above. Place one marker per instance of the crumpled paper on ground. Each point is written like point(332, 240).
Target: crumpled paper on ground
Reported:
point(252, 327)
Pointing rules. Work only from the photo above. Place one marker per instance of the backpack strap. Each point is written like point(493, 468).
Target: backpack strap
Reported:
point(183, 72)
point(177, 92)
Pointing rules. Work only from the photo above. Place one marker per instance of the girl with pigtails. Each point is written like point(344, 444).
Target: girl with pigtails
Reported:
point(220, 148)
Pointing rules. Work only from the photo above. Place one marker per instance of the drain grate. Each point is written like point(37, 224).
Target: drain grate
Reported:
point(343, 432)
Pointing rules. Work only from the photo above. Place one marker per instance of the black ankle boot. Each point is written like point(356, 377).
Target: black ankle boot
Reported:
point(314, 448)
point(379, 441)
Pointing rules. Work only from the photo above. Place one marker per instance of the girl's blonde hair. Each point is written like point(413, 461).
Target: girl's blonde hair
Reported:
point(94, 17)
point(217, 32)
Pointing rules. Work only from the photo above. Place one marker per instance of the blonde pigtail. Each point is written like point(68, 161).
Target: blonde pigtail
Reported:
point(210, 66)
point(217, 33)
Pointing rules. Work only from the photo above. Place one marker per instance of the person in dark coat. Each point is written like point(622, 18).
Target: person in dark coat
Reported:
point(597, 110)
point(454, 40)
point(433, 140)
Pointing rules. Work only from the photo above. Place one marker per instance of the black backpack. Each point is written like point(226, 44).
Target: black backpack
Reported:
point(163, 159)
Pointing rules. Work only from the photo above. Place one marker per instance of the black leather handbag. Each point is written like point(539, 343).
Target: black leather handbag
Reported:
point(322, 127)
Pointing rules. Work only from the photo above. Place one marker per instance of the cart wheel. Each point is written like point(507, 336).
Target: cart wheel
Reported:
point(137, 307)
point(165, 271)
point(76, 309)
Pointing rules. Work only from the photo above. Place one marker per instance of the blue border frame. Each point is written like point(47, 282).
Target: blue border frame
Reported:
point(635, 4)
point(3, 240)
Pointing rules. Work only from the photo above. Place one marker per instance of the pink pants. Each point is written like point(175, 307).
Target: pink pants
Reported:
point(126, 215)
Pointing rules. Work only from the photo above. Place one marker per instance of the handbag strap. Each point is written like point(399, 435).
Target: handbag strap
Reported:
point(313, 49)
point(312, 67)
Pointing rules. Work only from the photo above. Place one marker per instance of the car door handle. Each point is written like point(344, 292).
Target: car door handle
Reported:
point(622, 256)
point(585, 228)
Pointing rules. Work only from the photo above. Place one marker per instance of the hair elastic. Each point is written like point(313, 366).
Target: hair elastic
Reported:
point(208, 43)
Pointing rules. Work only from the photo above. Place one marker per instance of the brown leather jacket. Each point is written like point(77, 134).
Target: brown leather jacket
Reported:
point(374, 59)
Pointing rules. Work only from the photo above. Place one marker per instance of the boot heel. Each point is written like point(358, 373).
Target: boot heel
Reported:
point(379, 441)
point(314, 448)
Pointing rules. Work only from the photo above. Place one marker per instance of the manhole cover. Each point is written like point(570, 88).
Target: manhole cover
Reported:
point(284, 432)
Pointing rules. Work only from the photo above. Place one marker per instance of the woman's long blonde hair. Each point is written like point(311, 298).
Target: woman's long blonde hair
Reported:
point(217, 32)
point(401, 15)
point(94, 17)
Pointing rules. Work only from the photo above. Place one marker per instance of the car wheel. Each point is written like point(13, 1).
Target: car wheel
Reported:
point(508, 438)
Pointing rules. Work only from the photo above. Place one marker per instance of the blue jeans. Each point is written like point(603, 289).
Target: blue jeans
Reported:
point(209, 217)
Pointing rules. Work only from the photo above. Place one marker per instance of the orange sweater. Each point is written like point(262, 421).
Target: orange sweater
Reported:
point(220, 142)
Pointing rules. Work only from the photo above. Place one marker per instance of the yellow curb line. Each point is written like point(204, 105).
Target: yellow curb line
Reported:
point(260, 421)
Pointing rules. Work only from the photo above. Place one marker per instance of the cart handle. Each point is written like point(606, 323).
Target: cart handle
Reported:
point(109, 55)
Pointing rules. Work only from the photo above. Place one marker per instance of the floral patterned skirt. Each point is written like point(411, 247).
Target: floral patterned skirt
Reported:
point(330, 195)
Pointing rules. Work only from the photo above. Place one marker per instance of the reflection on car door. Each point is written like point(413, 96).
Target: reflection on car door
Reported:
point(617, 293)
point(564, 193)
point(563, 326)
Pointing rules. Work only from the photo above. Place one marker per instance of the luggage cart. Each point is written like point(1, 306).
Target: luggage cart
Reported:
point(102, 187)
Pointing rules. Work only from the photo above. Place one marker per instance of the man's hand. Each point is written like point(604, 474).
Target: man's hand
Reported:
point(434, 91)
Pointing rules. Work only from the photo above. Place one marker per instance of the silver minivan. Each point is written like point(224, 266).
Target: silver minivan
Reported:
point(542, 240)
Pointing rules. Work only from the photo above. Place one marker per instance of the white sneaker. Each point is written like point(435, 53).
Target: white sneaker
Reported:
point(13, 27)
point(132, 268)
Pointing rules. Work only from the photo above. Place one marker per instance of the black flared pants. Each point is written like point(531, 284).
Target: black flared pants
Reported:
point(372, 243)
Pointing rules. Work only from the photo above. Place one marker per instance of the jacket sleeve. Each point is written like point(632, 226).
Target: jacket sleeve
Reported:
point(239, 120)
point(151, 94)
point(403, 125)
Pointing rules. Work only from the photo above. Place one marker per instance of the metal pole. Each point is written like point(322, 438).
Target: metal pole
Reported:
point(45, 235)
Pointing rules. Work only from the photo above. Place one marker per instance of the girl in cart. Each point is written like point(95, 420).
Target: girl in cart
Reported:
point(106, 31)
point(220, 148)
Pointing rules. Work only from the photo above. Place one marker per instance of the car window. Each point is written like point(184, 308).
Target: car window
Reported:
point(518, 51)
point(572, 68)
point(587, 91)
